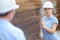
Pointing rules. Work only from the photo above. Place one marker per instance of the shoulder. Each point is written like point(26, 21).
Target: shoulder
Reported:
point(54, 18)
point(13, 33)
point(20, 34)
point(18, 29)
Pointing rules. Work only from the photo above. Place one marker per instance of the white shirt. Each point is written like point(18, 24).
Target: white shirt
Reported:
point(10, 32)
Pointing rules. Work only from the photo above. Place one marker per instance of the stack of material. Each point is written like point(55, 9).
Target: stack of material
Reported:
point(58, 11)
point(58, 6)
point(28, 4)
point(27, 18)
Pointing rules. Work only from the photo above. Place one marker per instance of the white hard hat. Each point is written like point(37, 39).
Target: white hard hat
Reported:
point(48, 4)
point(7, 5)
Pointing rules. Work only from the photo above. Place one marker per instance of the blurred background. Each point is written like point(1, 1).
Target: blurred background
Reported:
point(27, 17)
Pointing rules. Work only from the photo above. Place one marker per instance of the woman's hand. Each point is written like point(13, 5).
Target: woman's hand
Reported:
point(42, 24)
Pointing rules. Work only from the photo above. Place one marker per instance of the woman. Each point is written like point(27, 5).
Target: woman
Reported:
point(49, 22)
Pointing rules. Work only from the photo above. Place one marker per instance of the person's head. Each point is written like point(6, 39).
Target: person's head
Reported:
point(7, 9)
point(48, 8)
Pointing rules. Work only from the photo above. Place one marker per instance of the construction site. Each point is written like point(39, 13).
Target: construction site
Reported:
point(29, 14)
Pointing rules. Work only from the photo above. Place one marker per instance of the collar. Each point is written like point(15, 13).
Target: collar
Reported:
point(49, 17)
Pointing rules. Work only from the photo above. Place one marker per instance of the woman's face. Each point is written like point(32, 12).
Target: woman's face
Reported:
point(48, 11)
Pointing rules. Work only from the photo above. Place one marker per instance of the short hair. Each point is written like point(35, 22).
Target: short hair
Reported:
point(4, 14)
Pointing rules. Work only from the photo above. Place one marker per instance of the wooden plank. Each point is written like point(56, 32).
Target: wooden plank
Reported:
point(58, 11)
point(27, 18)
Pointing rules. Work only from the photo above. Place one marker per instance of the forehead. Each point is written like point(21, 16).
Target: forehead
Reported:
point(47, 8)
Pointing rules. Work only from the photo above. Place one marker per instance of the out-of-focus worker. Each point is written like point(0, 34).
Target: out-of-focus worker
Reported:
point(7, 30)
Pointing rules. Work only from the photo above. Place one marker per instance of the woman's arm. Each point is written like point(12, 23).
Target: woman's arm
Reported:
point(52, 30)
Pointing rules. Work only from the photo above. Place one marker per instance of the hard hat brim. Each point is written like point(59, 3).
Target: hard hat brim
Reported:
point(9, 9)
point(16, 7)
